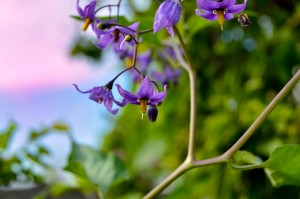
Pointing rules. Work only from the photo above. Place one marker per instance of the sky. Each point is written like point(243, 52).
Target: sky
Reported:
point(37, 73)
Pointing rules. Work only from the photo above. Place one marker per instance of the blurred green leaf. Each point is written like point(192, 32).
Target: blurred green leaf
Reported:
point(6, 136)
point(245, 158)
point(56, 127)
point(98, 167)
point(283, 166)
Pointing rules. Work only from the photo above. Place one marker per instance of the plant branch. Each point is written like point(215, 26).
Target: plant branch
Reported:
point(285, 90)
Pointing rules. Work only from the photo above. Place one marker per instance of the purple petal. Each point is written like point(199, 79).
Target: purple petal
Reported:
point(158, 97)
point(108, 104)
point(104, 41)
point(227, 3)
point(133, 28)
point(228, 16)
point(167, 15)
point(237, 8)
point(146, 90)
point(88, 91)
point(121, 104)
point(206, 15)
point(129, 97)
point(89, 10)
point(79, 10)
point(170, 30)
point(208, 4)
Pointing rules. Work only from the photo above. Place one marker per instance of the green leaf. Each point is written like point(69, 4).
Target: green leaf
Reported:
point(98, 167)
point(6, 135)
point(283, 166)
point(54, 128)
point(245, 157)
point(244, 160)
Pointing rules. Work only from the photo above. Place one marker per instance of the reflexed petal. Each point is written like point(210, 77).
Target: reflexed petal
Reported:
point(146, 90)
point(129, 97)
point(79, 10)
point(170, 30)
point(207, 15)
point(158, 97)
point(121, 104)
point(108, 104)
point(237, 8)
point(134, 26)
point(90, 9)
point(88, 91)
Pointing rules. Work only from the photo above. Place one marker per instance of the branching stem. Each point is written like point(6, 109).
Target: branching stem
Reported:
point(191, 161)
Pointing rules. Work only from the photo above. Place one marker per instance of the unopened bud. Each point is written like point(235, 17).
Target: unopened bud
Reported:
point(152, 113)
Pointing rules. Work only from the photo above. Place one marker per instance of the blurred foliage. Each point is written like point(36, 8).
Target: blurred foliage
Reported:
point(239, 71)
point(97, 169)
point(27, 163)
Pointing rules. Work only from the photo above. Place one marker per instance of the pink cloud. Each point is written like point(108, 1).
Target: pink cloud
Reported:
point(34, 38)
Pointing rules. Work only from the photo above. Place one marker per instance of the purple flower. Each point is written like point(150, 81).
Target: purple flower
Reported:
point(169, 75)
point(220, 10)
point(115, 35)
point(144, 96)
point(87, 14)
point(167, 15)
point(103, 94)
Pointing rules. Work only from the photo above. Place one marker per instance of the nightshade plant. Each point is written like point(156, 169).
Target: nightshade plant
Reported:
point(126, 40)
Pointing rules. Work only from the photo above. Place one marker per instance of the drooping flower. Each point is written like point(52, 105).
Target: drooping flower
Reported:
point(144, 96)
point(87, 14)
point(167, 15)
point(169, 75)
point(220, 10)
point(115, 35)
point(103, 94)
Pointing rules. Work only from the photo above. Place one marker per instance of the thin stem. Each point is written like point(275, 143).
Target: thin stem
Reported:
point(145, 31)
point(186, 54)
point(286, 89)
point(118, 9)
point(193, 103)
point(105, 6)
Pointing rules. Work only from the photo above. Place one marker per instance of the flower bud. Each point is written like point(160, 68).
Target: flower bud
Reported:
point(152, 113)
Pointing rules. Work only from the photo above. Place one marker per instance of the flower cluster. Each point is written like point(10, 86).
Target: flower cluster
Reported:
point(124, 40)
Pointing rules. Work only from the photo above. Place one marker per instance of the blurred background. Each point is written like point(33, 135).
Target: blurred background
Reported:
point(239, 71)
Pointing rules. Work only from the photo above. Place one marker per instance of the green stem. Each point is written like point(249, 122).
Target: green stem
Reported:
point(193, 94)
point(285, 90)
point(167, 181)
point(247, 167)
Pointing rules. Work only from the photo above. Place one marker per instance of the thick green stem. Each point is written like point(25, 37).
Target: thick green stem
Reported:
point(285, 90)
